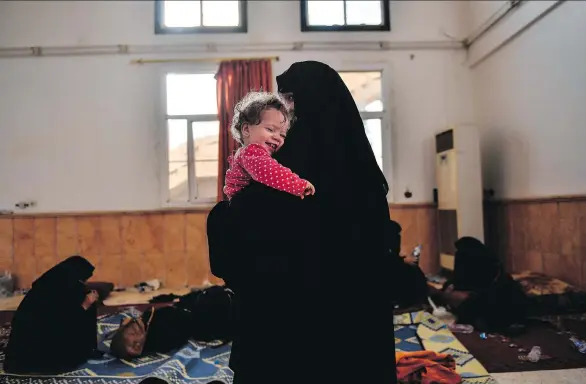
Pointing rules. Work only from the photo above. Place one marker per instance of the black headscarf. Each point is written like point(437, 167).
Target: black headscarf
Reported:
point(70, 271)
point(311, 273)
point(51, 331)
point(475, 265)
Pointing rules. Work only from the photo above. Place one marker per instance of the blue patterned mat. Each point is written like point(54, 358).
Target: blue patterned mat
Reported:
point(193, 364)
point(200, 364)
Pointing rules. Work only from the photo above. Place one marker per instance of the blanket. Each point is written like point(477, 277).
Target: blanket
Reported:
point(195, 363)
point(548, 295)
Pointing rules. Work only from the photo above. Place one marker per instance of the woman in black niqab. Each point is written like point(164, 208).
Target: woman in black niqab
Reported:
point(481, 292)
point(51, 331)
point(310, 276)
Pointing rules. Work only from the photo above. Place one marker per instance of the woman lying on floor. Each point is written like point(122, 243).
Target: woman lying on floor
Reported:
point(54, 328)
point(481, 293)
point(200, 315)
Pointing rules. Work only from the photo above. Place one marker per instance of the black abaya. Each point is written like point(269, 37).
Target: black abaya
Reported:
point(51, 331)
point(313, 303)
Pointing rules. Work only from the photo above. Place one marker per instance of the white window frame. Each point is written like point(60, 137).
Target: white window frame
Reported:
point(161, 29)
point(163, 136)
point(385, 26)
point(385, 115)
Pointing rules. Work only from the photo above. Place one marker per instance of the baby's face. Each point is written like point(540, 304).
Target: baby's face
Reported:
point(270, 132)
point(134, 339)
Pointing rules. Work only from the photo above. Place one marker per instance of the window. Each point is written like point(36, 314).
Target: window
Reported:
point(345, 15)
point(182, 17)
point(192, 138)
point(366, 89)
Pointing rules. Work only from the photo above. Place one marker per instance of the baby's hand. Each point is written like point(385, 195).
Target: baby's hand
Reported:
point(90, 299)
point(309, 190)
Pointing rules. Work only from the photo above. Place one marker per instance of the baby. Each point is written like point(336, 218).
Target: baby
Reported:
point(260, 124)
point(203, 315)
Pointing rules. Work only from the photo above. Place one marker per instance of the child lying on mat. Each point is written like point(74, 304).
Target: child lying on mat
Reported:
point(201, 315)
point(260, 125)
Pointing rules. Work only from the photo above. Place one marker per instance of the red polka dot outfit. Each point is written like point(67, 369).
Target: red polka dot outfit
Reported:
point(254, 162)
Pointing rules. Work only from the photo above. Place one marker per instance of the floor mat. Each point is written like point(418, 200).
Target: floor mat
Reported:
point(418, 331)
point(195, 363)
point(499, 356)
point(201, 364)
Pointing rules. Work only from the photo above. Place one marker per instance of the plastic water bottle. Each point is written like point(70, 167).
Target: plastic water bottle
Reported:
point(535, 354)
point(416, 253)
point(461, 328)
point(579, 344)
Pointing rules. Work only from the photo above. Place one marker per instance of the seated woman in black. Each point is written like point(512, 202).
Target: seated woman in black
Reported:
point(54, 329)
point(481, 293)
point(409, 284)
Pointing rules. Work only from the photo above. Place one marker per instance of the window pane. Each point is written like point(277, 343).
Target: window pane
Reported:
point(178, 185)
point(177, 134)
point(206, 140)
point(181, 14)
point(373, 128)
point(366, 89)
point(364, 12)
point(191, 94)
point(220, 13)
point(325, 12)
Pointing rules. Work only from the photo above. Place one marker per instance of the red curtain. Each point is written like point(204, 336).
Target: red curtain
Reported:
point(235, 78)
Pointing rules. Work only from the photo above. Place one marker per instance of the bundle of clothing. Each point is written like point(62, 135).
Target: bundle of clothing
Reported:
point(426, 367)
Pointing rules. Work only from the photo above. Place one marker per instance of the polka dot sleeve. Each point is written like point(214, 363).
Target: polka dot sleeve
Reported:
point(261, 167)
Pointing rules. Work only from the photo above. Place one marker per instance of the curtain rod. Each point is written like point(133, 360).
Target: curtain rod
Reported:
point(226, 49)
point(200, 60)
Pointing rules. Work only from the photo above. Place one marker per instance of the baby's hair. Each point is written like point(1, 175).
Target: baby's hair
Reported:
point(118, 344)
point(249, 110)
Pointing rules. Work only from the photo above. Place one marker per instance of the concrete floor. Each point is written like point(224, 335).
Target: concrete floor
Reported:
point(562, 376)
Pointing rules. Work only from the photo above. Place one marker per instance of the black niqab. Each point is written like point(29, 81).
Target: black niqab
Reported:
point(495, 299)
point(475, 266)
point(71, 271)
point(328, 146)
point(51, 331)
point(328, 123)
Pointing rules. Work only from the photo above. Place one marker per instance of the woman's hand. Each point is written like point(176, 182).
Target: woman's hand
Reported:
point(309, 190)
point(409, 259)
point(90, 299)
